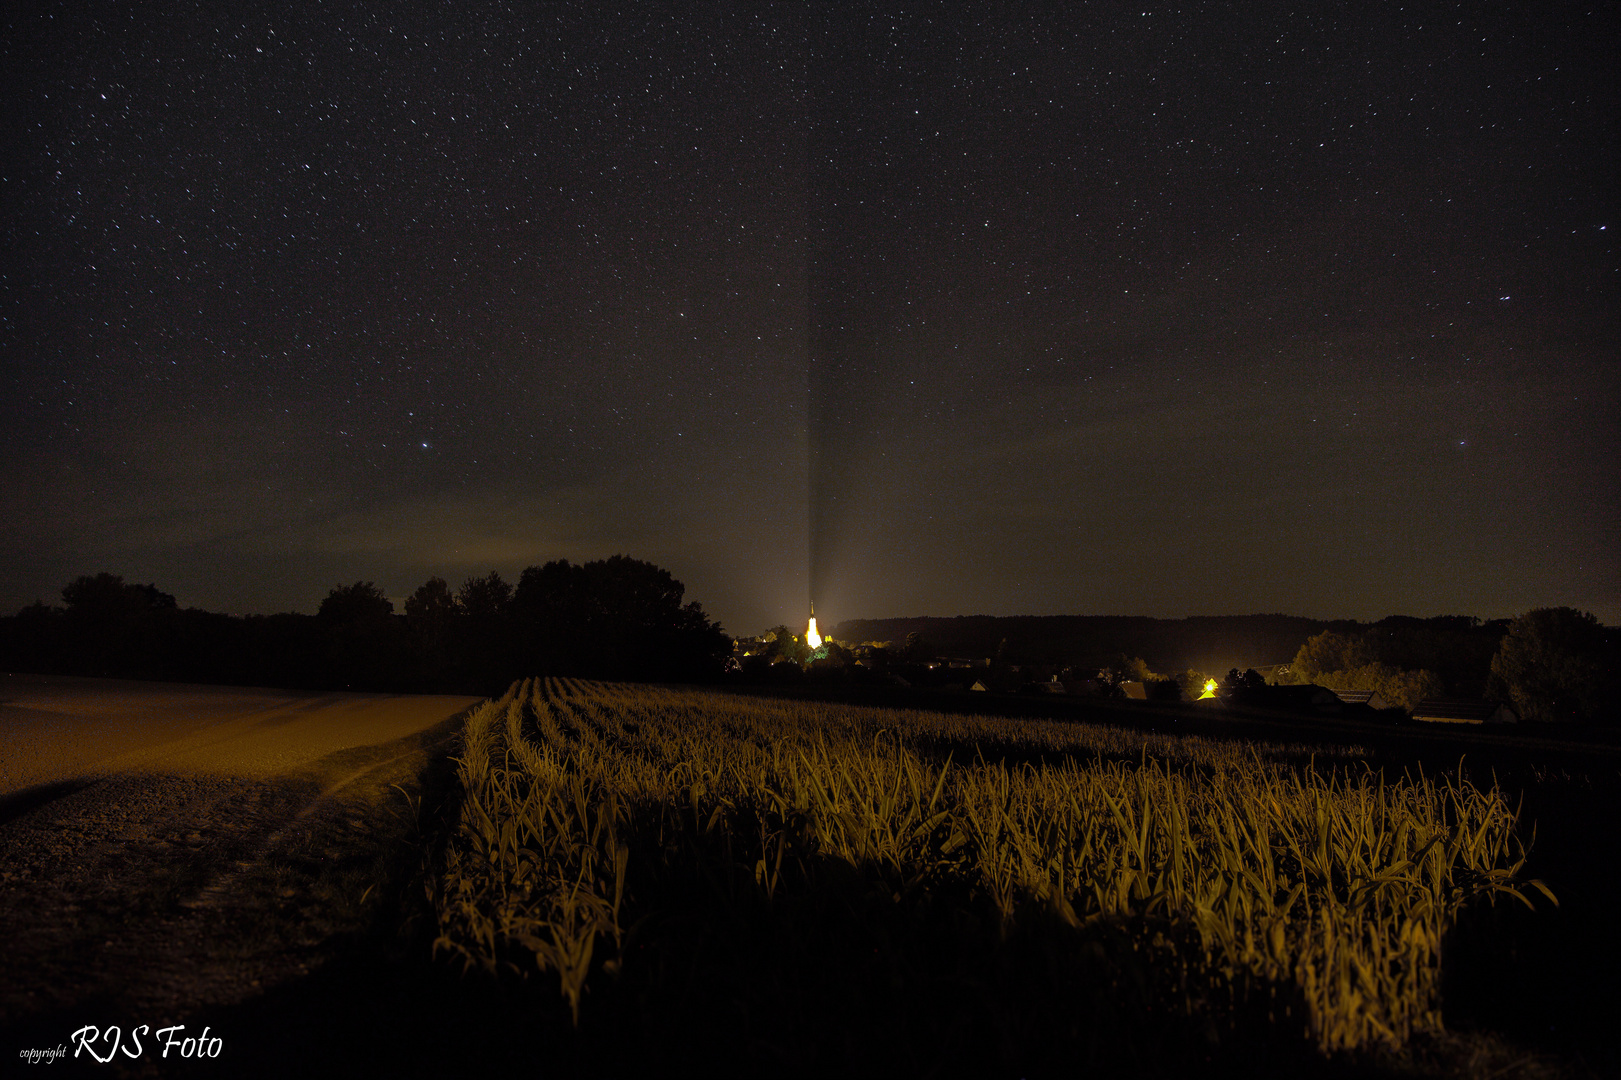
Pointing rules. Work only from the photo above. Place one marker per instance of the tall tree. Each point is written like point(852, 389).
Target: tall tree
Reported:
point(484, 597)
point(1328, 652)
point(362, 602)
point(106, 595)
point(434, 617)
point(1555, 664)
point(489, 656)
point(117, 629)
point(433, 600)
point(363, 647)
point(616, 618)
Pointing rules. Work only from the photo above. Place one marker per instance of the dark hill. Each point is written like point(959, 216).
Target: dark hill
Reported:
point(1205, 643)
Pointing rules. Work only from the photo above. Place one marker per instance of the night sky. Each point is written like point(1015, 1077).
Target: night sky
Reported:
point(1052, 309)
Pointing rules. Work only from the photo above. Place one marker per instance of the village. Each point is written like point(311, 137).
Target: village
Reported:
point(1366, 691)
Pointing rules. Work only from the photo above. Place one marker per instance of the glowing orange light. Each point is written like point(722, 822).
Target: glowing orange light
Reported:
point(1209, 689)
point(812, 638)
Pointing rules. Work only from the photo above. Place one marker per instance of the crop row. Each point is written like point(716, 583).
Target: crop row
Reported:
point(1334, 884)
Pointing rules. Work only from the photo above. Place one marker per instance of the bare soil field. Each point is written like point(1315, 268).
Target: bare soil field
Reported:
point(55, 728)
point(167, 851)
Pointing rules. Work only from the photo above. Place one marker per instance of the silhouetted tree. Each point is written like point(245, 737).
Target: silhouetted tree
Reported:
point(547, 590)
point(364, 647)
point(549, 611)
point(1369, 661)
point(106, 595)
point(1243, 686)
point(116, 629)
point(434, 615)
point(1403, 689)
point(831, 661)
point(432, 600)
point(616, 618)
point(1330, 651)
point(32, 640)
point(488, 648)
point(484, 597)
point(641, 626)
point(1456, 649)
point(1554, 664)
point(362, 602)
point(288, 649)
point(917, 650)
point(783, 644)
point(1190, 684)
point(1126, 669)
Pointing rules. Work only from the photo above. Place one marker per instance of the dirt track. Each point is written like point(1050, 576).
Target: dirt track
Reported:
point(169, 849)
point(55, 729)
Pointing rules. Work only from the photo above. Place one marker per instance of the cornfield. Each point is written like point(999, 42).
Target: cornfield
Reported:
point(1237, 870)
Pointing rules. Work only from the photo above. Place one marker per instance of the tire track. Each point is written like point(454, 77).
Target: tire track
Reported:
point(148, 899)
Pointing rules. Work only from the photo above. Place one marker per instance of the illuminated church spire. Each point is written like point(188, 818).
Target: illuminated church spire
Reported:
point(812, 638)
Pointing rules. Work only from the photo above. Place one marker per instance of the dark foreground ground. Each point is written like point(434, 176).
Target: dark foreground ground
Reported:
point(286, 915)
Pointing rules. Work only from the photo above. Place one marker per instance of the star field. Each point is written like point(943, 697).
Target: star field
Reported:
point(1120, 310)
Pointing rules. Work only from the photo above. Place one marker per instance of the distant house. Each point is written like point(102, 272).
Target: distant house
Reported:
point(1306, 698)
point(1371, 699)
point(980, 686)
point(1439, 711)
point(1055, 685)
point(1136, 691)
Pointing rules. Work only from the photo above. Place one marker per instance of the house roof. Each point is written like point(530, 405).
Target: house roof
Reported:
point(1354, 697)
point(1302, 694)
point(1371, 698)
point(1464, 712)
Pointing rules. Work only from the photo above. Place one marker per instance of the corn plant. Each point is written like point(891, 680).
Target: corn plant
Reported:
point(1322, 877)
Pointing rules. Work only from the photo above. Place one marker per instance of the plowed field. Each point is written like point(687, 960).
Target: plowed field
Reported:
point(55, 729)
point(167, 850)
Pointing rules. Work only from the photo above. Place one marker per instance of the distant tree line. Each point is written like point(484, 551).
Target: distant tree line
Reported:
point(1208, 643)
point(616, 618)
point(1352, 662)
point(1456, 649)
point(1550, 663)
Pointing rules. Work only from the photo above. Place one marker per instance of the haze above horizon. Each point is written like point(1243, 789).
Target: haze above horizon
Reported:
point(1160, 312)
